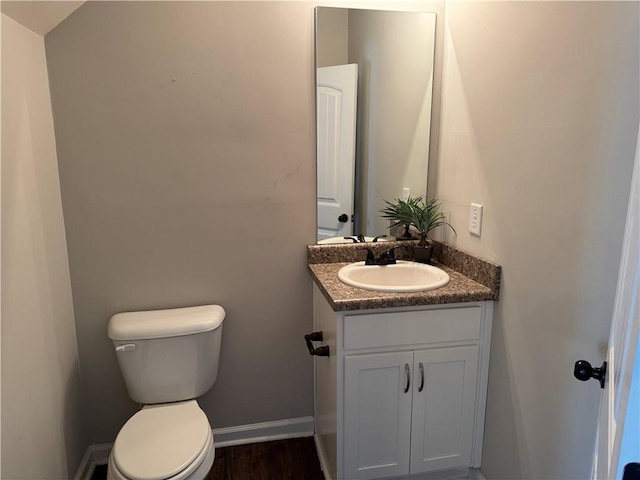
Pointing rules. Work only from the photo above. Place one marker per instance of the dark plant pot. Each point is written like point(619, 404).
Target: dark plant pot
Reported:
point(423, 254)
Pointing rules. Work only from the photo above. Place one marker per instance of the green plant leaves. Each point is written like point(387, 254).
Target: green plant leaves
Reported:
point(414, 211)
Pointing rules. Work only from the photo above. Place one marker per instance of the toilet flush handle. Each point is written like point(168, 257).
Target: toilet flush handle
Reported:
point(127, 347)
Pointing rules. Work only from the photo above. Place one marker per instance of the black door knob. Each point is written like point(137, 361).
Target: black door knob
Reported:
point(584, 371)
point(344, 218)
point(631, 471)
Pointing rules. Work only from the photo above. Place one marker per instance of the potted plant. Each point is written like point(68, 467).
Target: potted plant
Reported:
point(424, 217)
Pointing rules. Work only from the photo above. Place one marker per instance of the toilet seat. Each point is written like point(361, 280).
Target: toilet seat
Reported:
point(160, 442)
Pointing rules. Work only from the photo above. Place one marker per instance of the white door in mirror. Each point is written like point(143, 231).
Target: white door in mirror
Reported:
point(336, 119)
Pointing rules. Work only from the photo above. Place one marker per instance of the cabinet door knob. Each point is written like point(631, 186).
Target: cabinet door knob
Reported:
point(421, 377)
point(408, 372)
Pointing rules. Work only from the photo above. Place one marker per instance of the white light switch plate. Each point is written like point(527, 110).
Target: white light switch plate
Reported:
point(475, 219)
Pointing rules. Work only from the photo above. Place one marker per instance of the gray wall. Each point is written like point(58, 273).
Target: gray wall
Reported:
point(539, 124)
point(186, 149)
point(41, 425)
point(333, 36)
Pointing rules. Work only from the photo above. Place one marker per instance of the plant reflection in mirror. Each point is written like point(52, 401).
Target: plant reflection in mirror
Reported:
point(424, 217)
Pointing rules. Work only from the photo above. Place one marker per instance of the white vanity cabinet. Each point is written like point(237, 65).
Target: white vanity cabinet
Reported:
point(403, 391)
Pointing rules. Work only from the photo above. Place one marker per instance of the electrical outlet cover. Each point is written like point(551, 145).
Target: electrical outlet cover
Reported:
point(475, 219)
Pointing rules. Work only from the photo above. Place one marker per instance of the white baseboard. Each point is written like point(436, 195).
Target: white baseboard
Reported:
point(86, 467)
point(98, 454)
point(322, 458)
point(101, 452)
point(475, 474)
point(263, 432)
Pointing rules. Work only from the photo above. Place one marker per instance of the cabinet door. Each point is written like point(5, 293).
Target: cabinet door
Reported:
point(377, 413)
point(444, 408)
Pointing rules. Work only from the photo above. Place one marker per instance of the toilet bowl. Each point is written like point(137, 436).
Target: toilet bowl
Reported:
point(163, 442)
point(167, 358)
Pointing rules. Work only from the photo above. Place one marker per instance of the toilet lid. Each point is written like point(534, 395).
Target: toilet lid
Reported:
point(160, 441)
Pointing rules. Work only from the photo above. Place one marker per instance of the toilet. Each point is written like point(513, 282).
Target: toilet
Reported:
point(168, 358)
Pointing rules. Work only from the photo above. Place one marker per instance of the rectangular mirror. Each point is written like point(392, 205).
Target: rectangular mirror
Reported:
point(374, 86)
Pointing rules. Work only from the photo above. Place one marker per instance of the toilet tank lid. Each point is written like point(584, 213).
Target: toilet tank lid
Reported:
point(165, 323)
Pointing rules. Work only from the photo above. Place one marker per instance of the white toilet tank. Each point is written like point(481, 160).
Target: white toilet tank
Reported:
point(168, 355)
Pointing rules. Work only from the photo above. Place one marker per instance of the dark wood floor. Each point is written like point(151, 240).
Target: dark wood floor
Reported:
point(279, 460)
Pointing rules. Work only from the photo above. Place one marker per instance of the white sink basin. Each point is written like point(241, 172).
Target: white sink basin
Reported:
point(402, 277)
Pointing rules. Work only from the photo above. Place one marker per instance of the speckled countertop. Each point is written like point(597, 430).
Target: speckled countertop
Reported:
point(472, 279)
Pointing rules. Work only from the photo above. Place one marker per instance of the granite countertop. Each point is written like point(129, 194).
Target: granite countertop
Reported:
point(472, 279)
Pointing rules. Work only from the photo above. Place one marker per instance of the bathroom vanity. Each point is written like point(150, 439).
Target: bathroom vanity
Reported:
point(403, 390)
